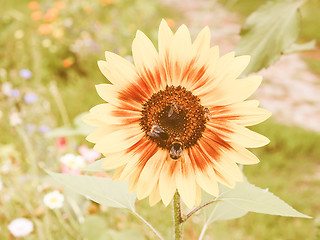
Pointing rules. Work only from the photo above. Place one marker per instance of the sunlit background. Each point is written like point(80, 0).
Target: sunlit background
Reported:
point(49, 52)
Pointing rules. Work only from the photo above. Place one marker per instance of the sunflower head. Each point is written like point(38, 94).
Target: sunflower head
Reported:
point(176, 119)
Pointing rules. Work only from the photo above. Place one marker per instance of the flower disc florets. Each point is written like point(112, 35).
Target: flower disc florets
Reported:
point(173, 114)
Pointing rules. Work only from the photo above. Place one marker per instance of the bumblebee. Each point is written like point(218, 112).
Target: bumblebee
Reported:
point(157, 132)
point(173, 109)
point(207, 114)
point(176, 149)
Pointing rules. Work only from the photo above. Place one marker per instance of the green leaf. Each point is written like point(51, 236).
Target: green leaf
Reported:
point(81, 126)
point(251, 198)
point(80, 129)
point(94, 167)
point(63, 132)
point(220, 210)
point(268, 32)
point(101, 190)
point(309, 46)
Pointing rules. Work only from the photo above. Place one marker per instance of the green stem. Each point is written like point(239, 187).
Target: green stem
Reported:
point(186, 217)
point(203, 231)
point(66, 227)
point(149, 225)
point(58, 99)
point(177, 217)
point(31, 154)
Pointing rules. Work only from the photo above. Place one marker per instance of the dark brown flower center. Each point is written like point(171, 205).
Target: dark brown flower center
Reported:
point(174, 119)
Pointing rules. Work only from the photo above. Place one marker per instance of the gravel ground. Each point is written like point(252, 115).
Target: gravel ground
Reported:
point(289, 90)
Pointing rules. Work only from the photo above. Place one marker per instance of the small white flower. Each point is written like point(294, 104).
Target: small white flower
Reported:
point(46, 43)
point(15, 119)
point(73, 161)
point(20, 227)
point(3, 74)
point(19, 34)
point(68, 22)
point(6, 88)
point(6, 166)
point(53, 200)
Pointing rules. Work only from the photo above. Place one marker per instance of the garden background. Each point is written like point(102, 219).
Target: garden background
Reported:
point(49, 52)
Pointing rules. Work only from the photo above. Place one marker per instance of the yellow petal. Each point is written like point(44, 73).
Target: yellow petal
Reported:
point(145, 55)
point(117, 70)
point(108, 92)
point(115, 160)
point(223, 63)
point(167, 185)
point(238, 134)
point(180, 54)
point(232, 91)
point(207, 180)
point(242, 155)
point(234, 69)
point(119, 140)
point(185, 181)
point(241, 113)
point(99, 133)
point(91, 120)
point(223, 174)
point(165, 38)
point(210, 61)
point(202, 42)
point(117, 173)
point(248, 138)
point(198, 195)
point(133, 180)
point(130, 169)
point(138, 160)
point(154, 197)
point(150, 174)
point(226, 162)
point(105, 113)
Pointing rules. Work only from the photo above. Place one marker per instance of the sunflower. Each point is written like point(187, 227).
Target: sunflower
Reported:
point(176, 119)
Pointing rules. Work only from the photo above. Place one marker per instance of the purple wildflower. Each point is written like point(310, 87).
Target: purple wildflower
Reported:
point(44, 129)
point(30, 98)
point(15, 93)
point(25, 73)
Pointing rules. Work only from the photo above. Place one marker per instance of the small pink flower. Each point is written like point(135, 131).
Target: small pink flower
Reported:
point(61, 143)
point(88, 154)
point(102, 175)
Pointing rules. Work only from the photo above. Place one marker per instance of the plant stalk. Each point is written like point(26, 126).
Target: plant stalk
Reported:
point(177, 216)
point(149, 225)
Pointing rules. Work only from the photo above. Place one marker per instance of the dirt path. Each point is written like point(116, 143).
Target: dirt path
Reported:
point(290, 91)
